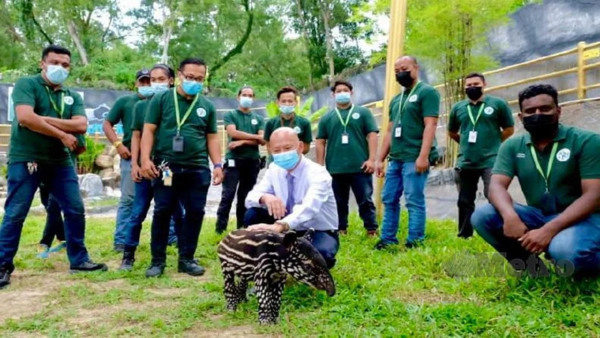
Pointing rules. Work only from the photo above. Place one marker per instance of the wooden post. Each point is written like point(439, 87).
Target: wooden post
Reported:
point(395, 49)
point(581, 92)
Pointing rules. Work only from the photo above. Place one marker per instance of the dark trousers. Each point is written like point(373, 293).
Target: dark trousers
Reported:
point(190, 188)
point(141, 204)
point(362, 187)
point(62, 184)
point(467, 181)
point(243, 174)
point(326, 242)
point(55, 226)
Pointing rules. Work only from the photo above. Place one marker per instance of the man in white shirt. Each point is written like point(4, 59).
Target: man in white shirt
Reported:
point(311, 204)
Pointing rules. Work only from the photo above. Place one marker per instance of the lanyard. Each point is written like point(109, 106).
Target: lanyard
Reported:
point(550, 162)
point(474, 121)
point(401, 106)
point(347, 117)
point(180, 122)
point(62, 102)
point(292, 121)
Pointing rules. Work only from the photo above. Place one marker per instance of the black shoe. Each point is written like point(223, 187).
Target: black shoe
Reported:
point(190, 267)
point(128, 260)
point(4, 277)
point(88, 266)
point(155, 270)
point(119, 248)
point(381, 245)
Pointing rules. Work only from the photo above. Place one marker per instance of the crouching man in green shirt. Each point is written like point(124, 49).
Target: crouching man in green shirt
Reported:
point(184, 125)
point(558, 168)
point(46, 117)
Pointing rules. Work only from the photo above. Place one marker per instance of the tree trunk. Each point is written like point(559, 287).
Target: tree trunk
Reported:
point(77, 41)
point(306, 42)
point(326, 12)
point(167, 31)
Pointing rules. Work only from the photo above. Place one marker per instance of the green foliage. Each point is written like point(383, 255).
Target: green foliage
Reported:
point(87, 160)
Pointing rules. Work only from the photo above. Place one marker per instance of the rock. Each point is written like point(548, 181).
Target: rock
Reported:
point(91, 185)
point(435, 177)
point(106, 173)
point(116, 162)
point(104, 161)
point(112, 151)
point(110, 178)
point(448, 176)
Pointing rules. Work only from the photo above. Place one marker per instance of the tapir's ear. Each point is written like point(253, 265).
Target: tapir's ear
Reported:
point(309, 234)
point(289, 239)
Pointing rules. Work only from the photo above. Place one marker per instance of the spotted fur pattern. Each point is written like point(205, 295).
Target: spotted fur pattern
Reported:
point(266, 258)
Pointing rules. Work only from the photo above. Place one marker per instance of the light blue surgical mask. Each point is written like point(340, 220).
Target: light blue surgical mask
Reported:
point(159, 87)
point(287, 160)
point(56, 74)
point(191, 87)
point(246, 102)
point(146, 91)
point(287, 110)
point(343, 98)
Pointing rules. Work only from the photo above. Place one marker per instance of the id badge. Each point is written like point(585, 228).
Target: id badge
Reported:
point(345, 139)
point(167, 177)
point(178, 144)
point(472, 137)
point(231, 163)
point(398, 132)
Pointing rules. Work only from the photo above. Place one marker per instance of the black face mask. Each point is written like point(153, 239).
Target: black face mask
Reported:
point(404, 79)
point(541, 126)
point(474, 93)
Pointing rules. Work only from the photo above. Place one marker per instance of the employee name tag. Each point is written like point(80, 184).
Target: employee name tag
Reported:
point(231, 163)
point(167, 178)
point(344, 138)
point(398, 132)
point(178, 144)
point(472, 137)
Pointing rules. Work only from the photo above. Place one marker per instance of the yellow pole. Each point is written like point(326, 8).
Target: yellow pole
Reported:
point(395, 49)
point(580, 71)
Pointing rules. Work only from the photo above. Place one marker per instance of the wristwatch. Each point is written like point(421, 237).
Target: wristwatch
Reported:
point(117, 144)
point(285, 226)
point(218, 165)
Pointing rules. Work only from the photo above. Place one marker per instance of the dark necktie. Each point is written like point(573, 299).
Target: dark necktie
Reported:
point(290, 199)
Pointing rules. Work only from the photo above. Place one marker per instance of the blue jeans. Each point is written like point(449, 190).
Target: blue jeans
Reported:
point(578, 245)
point(126, 202)
point(143, 197)
point(190, 189)
point(63, 185)
point(402, 177)
point(326, 242)
point(55, 226)
point(362, 187)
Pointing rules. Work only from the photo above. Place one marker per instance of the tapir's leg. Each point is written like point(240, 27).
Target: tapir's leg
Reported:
point(268, 293)
point(230, 290)
point(242, 287)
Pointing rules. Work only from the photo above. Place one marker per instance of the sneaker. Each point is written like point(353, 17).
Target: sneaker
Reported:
point(343, 232)
point(128, 260)
point(190, 267)
point(120, 248)
point(372, 233)
point(88, 266)
point(381, 245)
point(43, 251)
point(4, 277)
point(155, 270)
point(61, 246)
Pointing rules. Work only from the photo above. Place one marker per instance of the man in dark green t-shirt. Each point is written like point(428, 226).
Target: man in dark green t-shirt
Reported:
point(347, 145)
point(558, 168)
point(181, 127)
point(286, 99)
point(122, 111)
point(242, 162)
point(478, 124)
point(411, 146)
point(46, 117)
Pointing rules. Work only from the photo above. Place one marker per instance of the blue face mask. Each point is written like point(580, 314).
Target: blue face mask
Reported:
point(287, 160)
point(146, 91)
point(287, 110)
point(56, 74)
point(159, 87)
point(342, 98)
point(246, 102)
point(191, 87)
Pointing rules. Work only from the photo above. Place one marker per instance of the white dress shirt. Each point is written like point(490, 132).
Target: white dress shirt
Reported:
point(314, 202)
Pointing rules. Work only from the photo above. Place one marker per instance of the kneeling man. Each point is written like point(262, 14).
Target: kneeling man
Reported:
point(295, 194)
point(559, 170)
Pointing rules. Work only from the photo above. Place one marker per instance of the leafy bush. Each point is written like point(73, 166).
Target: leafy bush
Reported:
point(85, 161)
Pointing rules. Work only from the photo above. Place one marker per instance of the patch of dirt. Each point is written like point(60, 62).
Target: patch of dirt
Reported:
point(88, 317)
point(21, 303)
point(245, 331)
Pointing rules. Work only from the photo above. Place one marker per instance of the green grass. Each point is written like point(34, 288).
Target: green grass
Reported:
point(431, 291)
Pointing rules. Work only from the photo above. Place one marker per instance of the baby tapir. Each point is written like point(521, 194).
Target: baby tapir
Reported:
point(266, 258)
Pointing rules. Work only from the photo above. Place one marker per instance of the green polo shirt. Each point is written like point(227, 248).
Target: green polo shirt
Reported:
point(577, 158)
point(346, 158)
point(29, 146)
point(139, 115)
point(495, 116)
point(250, 123)
point(423, 102)
point(300, 124)
point(122, 111)
point(201, 122)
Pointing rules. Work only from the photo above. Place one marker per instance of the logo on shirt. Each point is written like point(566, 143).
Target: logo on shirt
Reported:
point(297, 130)
point(563, 155)
point(254, 122)
point(355, 116)
point(488, 110)
point(413, 98)
point(68, 100)
point(520, 155)
point(201, 112)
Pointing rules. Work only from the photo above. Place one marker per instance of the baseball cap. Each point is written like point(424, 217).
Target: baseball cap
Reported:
point(142, 73)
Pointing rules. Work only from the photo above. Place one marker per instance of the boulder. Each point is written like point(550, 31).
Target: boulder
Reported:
point(91, 185)
point(104, 161)
point(112, 151)
point(116, 164)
